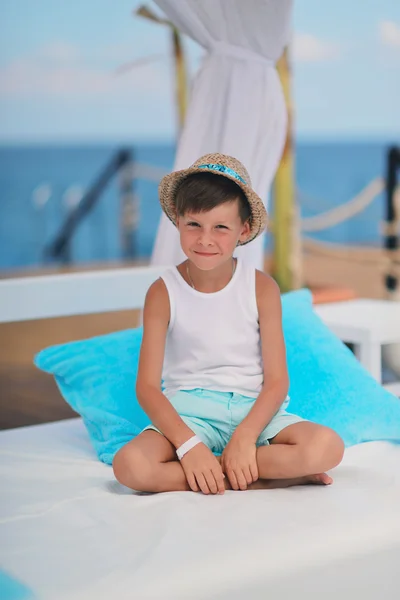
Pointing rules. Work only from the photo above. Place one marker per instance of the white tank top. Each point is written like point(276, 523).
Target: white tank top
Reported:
point(213, 340)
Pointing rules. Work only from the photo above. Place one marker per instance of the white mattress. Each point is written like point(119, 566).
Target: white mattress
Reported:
point(69, 531)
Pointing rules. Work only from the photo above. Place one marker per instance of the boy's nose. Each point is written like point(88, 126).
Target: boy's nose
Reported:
point(205, 239)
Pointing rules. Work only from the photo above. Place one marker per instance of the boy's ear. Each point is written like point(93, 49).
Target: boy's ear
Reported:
point(244, 234)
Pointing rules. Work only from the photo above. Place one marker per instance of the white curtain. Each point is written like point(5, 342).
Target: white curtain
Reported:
point(237, 105)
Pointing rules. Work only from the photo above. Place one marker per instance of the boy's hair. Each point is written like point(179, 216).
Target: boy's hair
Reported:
point(201, 192)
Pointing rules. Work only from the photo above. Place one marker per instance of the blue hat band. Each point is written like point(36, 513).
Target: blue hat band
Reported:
point(223, 169)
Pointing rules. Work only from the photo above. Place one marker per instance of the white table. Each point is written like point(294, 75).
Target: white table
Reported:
point(368, 324)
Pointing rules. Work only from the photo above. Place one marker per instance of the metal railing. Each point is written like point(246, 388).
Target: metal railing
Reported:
point(121, 163)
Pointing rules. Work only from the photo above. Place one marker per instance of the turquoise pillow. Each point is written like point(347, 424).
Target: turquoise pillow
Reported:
point(12, 589)
point(97, 378)
point(328, 385)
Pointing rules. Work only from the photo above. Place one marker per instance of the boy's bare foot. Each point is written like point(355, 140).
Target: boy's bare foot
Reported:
point(270, 484)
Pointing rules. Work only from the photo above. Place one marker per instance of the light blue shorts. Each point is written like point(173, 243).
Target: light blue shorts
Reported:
point(214, 416)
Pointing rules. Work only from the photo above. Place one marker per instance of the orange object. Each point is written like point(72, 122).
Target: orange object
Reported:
point(324, 294)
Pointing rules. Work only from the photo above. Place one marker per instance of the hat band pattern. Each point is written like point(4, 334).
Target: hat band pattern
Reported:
point(222, 169)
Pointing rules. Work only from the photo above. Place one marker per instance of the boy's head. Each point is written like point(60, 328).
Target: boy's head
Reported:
point(212, 216)
point(181, 193)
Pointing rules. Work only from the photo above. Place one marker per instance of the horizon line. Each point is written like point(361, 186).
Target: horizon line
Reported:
point(390, 139)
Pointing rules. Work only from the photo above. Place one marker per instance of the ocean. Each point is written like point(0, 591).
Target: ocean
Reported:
point(39, 184)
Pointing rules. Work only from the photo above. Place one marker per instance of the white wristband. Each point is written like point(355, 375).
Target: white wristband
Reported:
point(188, 445)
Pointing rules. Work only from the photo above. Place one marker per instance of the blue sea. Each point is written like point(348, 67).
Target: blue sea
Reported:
point(35, 183)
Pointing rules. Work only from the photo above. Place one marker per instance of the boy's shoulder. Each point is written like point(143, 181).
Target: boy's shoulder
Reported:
point(157, 291)
point(157, 298)
point(268, 294)
point(265, 283)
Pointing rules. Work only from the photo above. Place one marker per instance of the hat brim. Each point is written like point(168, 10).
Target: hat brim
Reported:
point(170, 183)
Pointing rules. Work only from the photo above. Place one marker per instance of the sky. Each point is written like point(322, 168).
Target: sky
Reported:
point(60, 77)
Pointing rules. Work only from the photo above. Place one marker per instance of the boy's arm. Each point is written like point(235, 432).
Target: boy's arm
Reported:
point(148, 387)
point(276, 379)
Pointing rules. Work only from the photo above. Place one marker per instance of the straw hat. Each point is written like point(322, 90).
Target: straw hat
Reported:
point(226, 166)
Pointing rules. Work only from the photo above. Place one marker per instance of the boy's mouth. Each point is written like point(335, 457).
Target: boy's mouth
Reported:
point(205, 253)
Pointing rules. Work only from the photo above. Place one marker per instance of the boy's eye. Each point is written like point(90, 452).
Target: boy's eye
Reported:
point(192, 224)
point(222, 227)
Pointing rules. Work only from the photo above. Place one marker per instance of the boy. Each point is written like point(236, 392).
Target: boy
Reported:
point(213, 334)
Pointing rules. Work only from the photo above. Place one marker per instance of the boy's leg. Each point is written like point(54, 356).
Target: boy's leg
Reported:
point(148, 463)
point(300, 453)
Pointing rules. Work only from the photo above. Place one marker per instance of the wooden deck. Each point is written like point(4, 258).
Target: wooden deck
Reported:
point(28, 396)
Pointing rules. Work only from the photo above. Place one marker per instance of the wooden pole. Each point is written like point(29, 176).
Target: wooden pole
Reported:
point(287, 250)
point(180, 77)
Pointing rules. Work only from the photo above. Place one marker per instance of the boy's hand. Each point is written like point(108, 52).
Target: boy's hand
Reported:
point(203, 470)
point(239, 462)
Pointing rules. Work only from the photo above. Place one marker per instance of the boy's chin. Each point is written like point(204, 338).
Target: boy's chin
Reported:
point(207, 263)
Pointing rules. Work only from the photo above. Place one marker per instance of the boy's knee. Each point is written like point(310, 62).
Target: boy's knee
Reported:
point(131, 468)
point(325, 450)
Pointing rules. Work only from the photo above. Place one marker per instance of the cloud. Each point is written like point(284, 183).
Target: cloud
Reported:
point(310, 49)
point(60, 70)
point(389, 34)
point(27, 76)
point(58, 52)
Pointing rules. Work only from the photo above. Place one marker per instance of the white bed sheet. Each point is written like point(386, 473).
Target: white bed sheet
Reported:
point(70, 531)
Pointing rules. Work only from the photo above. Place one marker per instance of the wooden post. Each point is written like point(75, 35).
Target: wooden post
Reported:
point(129, 206)
point(287, 250)
point(180, 76)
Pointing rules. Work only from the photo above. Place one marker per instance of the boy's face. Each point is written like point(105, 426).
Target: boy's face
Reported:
point(209, 238)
